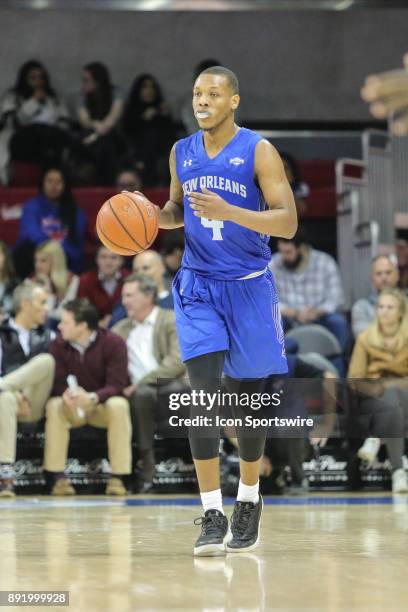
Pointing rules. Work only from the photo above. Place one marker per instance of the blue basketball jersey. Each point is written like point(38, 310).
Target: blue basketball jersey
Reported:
point(222, 250)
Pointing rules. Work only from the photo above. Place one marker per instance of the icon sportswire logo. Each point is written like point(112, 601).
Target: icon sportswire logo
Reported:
point(236, 161)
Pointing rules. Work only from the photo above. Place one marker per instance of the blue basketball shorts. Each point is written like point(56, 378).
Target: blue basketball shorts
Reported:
point(241, 317)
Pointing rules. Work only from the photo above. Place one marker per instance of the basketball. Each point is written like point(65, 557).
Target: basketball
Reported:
point(127, 223)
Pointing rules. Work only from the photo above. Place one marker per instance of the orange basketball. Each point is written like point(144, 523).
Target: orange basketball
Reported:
point(127, 223)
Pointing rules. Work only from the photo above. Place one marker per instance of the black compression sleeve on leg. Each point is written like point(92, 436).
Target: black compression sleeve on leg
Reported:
point(205, 374)
point(251, 443)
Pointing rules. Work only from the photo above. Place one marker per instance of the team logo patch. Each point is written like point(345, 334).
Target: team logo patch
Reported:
point(236, 161)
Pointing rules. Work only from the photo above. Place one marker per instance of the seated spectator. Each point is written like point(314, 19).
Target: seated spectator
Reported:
point(401, 248)
point(149, 129)
point(379, 367)
point(172, 252)
point(35, 118)
point(27, 372)
point(154, 354)
point(8, 281)
point(384, 275)
point(128, 180)
point(50, 270)
point(186, 108)
point(309, 288)
point(99, 113)
point(52, 215)
point(103, 286)
point(98, 360)
point(150, 264)
point(291, 451)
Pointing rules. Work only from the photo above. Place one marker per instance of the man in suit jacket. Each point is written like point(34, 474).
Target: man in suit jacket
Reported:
point(154, 361)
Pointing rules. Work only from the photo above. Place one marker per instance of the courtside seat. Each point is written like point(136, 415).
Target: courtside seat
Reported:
point(23, 174)
point(316, 339)
point(321, 203)
point(319, 361)
point(315, 405)
point(90, 199)
point(317, 173)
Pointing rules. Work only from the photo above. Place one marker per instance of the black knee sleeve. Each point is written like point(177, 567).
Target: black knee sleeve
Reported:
point(204, 448)
point(251, 449)
point(251, 443)
point(205, 374)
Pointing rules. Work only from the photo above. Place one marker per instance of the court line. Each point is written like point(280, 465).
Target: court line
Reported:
point(30, 504)
point(273, 501)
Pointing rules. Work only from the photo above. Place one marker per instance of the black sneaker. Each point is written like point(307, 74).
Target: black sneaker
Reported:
point(214, 533)
point(245, 523)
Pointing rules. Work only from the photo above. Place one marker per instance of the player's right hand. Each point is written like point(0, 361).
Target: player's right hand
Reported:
point(142, 195)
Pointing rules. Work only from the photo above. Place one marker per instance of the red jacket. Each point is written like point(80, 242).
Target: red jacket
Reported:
point(102, 368)
point(90, 287)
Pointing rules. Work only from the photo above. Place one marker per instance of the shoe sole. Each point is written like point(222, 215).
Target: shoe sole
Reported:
point(255, 544)
point(213, 550)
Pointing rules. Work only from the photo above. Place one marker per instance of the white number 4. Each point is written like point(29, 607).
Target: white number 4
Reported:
point(216, 227)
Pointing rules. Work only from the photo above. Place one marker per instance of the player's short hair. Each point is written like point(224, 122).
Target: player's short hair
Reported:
point(83, 312)
point(227, 73)
point(203, 65)
point(146, 285)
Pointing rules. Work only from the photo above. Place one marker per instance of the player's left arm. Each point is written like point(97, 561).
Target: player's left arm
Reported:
point(281, 218)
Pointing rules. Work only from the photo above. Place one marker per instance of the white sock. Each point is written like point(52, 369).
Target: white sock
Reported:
point(212, 500)
point(248, 493)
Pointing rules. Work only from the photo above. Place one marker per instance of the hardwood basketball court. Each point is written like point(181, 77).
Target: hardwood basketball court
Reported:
point(320, 553)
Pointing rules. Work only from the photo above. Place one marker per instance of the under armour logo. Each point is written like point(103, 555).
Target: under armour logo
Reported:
point(236, 161)
point(187, 162)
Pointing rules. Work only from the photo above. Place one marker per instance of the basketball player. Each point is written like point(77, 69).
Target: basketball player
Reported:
point(229, 190)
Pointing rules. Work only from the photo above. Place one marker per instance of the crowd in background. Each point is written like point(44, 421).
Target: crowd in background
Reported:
point(61, 318)
point(106, 131)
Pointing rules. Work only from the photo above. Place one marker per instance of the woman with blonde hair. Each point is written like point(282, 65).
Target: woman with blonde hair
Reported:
point(379, 365)
point(50, 269)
